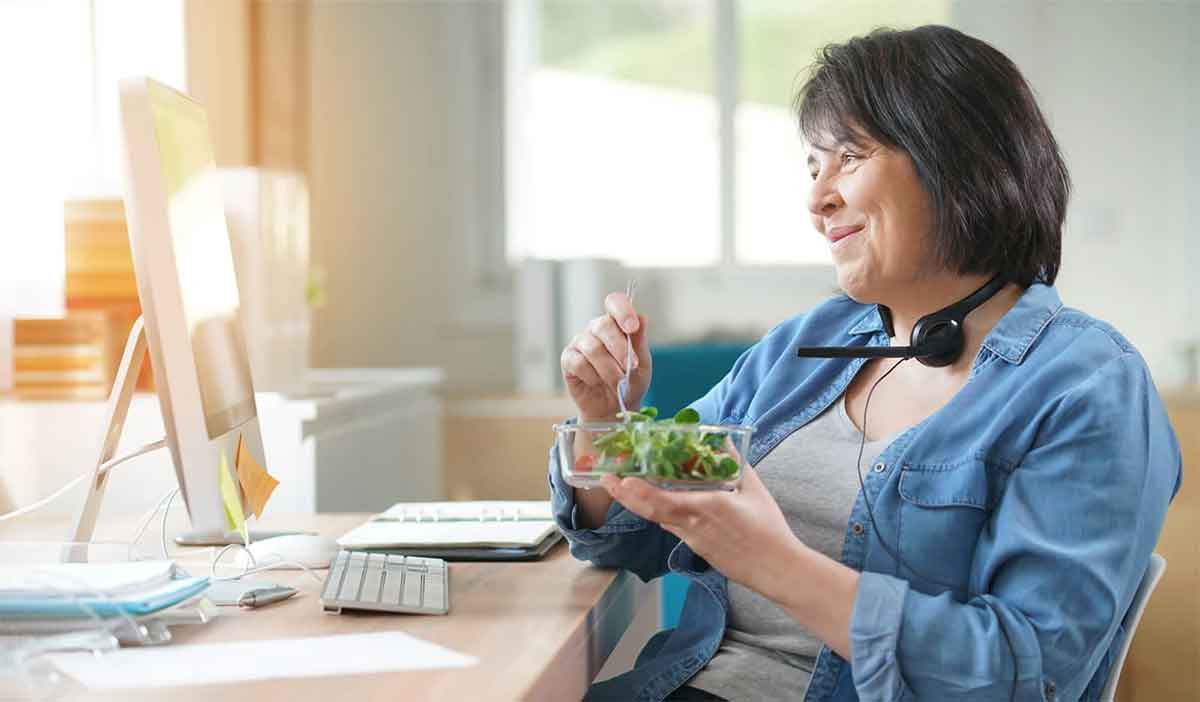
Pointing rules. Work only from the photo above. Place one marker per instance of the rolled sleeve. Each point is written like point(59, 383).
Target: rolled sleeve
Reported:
point(624, 540)
point(875, 624)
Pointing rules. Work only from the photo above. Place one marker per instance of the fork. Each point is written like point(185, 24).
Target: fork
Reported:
point(623, 383)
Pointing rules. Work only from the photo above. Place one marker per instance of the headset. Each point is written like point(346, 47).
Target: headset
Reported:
point(937, 340)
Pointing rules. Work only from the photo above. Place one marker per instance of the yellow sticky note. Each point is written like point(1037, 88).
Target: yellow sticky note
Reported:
point(256, 482)
point(235, 518)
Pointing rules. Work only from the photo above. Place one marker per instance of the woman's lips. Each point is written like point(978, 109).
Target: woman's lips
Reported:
point(838, 233)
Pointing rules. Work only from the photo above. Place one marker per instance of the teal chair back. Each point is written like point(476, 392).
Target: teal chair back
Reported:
point(682, 374)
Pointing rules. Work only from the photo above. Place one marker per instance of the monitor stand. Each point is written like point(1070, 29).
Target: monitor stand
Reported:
point(118, 409)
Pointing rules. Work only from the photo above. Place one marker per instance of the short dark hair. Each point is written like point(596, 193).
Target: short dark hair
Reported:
point(997, 183)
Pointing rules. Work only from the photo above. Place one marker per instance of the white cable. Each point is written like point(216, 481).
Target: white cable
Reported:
point(280, 565)
point(253, 567)
point(162, 534)
point(149, 517)
point(212, 567)
point(147, 448)
point(45, 500)
point(104, 467)
point(250, 568)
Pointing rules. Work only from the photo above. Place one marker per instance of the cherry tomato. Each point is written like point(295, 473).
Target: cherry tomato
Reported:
point(585, 464)
point(693, 467)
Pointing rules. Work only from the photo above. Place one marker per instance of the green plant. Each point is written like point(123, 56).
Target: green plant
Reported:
point(673, 449)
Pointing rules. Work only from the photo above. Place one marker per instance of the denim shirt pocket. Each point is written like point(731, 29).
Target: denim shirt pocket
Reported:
point(944, 507)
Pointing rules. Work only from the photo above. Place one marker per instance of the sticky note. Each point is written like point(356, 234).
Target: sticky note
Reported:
point(235, 518)
point(256, 482)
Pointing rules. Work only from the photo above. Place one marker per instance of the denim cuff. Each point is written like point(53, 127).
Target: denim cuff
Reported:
point(874, 637)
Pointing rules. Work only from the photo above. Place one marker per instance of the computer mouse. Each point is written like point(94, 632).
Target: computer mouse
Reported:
point(309, 549)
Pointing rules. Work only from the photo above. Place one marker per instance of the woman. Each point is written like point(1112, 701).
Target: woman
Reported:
point(1010, 499)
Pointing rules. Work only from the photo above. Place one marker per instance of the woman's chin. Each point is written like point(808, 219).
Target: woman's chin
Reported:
point(853, 285)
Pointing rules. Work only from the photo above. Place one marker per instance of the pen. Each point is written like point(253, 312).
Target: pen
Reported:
point(258, 598)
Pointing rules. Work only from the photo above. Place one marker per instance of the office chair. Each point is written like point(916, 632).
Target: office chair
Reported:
point(1153, 574)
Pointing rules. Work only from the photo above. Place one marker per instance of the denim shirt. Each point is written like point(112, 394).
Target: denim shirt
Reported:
point(1024, 511)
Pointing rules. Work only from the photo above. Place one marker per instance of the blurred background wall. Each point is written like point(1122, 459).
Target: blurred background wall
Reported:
point(444, 142)
point(399, 118)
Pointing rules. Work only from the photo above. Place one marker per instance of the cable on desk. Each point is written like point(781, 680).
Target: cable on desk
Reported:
point(253, 567)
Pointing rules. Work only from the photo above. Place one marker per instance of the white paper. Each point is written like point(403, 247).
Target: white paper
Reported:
point(207, 664)
point(109, 578)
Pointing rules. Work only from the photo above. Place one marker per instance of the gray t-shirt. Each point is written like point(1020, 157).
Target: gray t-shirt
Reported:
point(766, 654)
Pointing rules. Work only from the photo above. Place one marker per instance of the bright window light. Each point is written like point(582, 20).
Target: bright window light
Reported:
point(59, 65)
point(615, 129)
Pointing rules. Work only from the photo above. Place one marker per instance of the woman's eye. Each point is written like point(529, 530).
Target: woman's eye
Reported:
point(849, 157)
point(814, 174)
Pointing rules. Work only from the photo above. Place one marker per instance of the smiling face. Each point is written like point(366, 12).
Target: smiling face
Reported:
point(870, 205)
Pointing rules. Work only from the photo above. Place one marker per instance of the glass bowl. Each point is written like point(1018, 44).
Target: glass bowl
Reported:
point(672, 455)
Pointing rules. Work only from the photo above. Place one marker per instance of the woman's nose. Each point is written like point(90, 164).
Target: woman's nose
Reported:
point(823, 199)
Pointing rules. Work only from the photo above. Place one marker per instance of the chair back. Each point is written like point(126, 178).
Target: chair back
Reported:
point(1150, 578)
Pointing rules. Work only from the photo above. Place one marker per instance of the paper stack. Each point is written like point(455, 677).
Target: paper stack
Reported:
point(53, 597)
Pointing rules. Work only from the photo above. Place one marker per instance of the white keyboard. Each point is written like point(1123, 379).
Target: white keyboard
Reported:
point(386, 583)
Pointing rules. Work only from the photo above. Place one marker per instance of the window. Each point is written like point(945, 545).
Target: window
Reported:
point(661, 133)
point(59, 65)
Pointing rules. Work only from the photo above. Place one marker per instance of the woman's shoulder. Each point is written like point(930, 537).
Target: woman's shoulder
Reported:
point(1078, 363)
point(1077, 344)
point(1074, 327)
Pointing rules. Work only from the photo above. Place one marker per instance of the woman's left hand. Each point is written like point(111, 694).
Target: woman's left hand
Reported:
point(736, 532)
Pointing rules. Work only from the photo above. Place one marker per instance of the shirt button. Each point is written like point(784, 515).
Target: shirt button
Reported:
point(1050, 689)
point(880, 467)
point(857, 529)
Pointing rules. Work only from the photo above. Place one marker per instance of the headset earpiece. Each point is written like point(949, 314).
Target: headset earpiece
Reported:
point(938, 342)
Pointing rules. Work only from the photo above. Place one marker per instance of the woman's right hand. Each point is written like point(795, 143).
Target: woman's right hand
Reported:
point(594, 362)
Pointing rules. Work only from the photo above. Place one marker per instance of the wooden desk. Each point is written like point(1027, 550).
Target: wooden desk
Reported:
point(540, 630)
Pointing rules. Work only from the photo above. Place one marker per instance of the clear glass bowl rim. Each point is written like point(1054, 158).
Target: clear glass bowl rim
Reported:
point(664, 426)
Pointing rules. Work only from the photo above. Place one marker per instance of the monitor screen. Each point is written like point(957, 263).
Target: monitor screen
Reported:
point(207, 280)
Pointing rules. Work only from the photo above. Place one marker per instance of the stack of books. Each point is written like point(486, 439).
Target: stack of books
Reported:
point(61, 357)
point(100, 276)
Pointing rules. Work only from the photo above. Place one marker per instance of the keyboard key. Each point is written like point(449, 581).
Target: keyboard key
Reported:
point(412, 588)
point(392, 582)
point(352, 582)
point(333, 581)
point(372, 583)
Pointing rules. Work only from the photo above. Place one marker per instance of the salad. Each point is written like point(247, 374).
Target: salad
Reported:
point(671, 449)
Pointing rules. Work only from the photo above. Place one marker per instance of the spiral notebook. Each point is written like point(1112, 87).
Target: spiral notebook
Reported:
point(491, 530)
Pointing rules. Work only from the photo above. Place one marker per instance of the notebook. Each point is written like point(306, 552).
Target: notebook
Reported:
point(492, 530)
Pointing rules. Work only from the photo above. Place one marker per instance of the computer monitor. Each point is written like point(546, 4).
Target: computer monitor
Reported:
point(189, 297)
